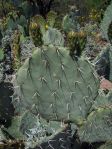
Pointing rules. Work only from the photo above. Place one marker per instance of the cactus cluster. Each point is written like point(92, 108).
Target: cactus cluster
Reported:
point(13, 21)
point(40, 25)
point(57, 88)
point(56, 97)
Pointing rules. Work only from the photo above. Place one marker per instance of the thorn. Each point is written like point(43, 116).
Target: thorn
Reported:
point(68, 107)
point(80, 71)
point(51, 105)
point(62, 67)
point(55, 95)
point(36, 94)
point(85, 99)
point(68, 116)
point(43, 80)
point(59, 84)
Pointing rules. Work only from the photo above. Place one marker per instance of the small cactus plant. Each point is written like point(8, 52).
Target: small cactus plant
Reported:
point(62, 81)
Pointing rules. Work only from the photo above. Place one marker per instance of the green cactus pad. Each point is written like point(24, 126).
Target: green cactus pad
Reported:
point(103, 100)
point(70, 23)
point(59, 140)
point(29, 126)
point(51, 18)
point(57, 87)
point(53, 36)
point(14, 129)
point(106, 21)
point(98, 127)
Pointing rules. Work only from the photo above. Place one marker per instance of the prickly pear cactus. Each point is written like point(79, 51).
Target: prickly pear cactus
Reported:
point(102, 62)
point(28, 126)
point(70, 22)
point(57, 87)
point(36, 131)
point(106, 21)
point(45, 23)
point(51, 18)
point(102, 100)
point(53, 37)
point(98, 127)
point(61, 139)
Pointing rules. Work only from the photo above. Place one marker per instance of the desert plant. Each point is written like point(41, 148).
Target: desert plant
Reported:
point(59, 71)
point(65, 97)
point(76, 43)
point(98, 126)
point(52, 88)
point(102, 62)
point(38, 26)
point(16, 18)
point(70, 22)
point(106, 21)
point(53, 37)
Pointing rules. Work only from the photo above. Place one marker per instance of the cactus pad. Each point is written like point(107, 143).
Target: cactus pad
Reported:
point(98, 127)
point(57, 87)
point(53, 36)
